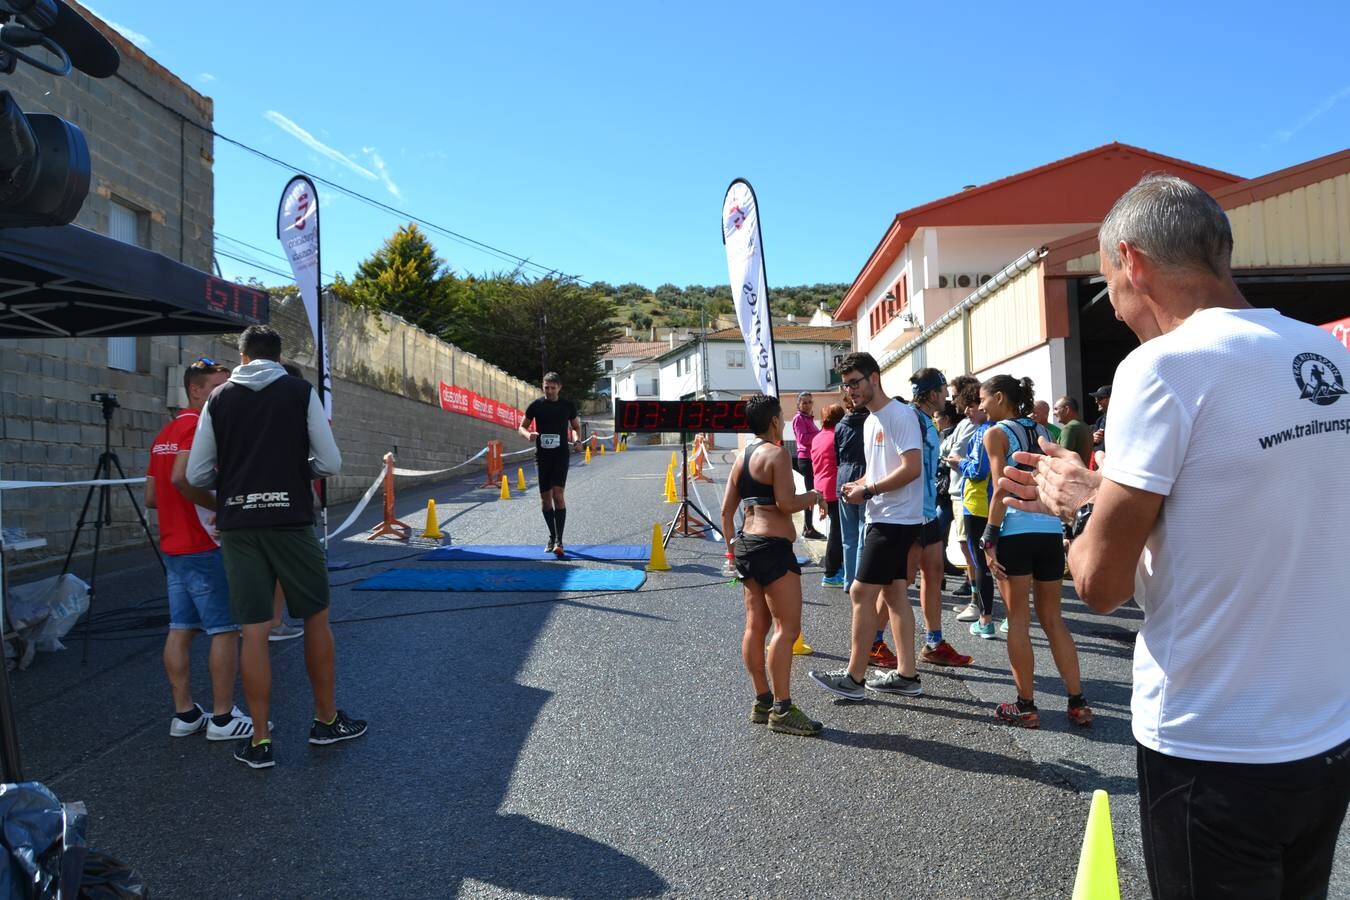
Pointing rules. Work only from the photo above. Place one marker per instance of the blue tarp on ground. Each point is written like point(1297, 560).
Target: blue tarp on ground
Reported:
point(551, 579)
point(591, 552)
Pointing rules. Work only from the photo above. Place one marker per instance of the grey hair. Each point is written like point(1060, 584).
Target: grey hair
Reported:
point(1173, 222)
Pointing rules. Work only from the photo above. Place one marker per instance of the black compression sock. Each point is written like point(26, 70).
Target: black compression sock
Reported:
point(560, 516)
point(1025, 705)
point(782, 706)
point(222, 720)
point(191, 715)
point(765, 698)
point(550, 516)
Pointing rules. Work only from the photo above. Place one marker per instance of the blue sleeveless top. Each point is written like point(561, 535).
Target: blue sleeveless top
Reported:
point(1015, 521)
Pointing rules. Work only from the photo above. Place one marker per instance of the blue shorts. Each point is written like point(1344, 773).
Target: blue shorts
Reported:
point(199, 596)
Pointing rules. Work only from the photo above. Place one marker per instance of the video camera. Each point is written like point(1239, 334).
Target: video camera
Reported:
point(44, 160)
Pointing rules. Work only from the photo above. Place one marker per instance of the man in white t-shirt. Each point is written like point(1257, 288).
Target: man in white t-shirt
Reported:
point(1231, 434)
point(892, 489)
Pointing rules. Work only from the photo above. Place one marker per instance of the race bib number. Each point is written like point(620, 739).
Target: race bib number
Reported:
point(550, 441)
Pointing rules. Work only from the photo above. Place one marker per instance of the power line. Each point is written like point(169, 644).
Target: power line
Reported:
point(254, 264)
point(276, 256)
point(497, 252)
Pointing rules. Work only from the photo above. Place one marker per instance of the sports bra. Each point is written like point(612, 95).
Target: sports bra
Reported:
point(753, 493)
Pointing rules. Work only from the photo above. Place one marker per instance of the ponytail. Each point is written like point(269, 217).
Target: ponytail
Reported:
point(1020, 393)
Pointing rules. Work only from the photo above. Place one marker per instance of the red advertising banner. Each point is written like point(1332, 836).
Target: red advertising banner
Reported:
point(466, 402)
point(1341, 331)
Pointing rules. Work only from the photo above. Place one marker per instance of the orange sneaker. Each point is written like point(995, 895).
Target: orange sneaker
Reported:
point(1014, 715)
point(1080, 715)
point(944, 654)
point(882, 657)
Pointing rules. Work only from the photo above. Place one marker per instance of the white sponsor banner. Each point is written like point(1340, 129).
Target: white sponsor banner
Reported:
point(298, 231)
point(749, 291)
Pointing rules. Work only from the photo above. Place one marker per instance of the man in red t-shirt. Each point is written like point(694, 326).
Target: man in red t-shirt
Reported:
point(199, 598)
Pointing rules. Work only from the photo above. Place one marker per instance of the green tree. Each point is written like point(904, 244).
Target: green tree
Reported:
point(406, 277)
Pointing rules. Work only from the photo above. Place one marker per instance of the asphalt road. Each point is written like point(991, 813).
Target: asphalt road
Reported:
point(581, 745)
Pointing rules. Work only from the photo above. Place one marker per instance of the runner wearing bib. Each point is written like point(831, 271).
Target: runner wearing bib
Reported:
point(551, 422)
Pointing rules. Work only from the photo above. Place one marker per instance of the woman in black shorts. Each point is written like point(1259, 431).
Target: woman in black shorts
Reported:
point(761, 485)
point(1025, 551)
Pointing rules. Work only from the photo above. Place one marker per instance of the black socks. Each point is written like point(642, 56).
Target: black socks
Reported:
point(222, 720)
point(560, 517)
point(765, 698)
point(550, 516)
point(1076, 701)
point(1025, 705)
point(191, 715)
point(782, 706)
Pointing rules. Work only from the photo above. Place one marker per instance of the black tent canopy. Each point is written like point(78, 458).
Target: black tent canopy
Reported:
point(68, 281)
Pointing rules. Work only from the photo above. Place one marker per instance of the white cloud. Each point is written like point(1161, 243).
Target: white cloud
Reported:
point(380, 167)
point(317, 145)
point(207, 77)
point(132, 35)
point(1284, 134)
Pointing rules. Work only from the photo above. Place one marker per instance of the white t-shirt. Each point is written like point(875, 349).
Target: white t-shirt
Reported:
point(886, 435)
point(1240, 419)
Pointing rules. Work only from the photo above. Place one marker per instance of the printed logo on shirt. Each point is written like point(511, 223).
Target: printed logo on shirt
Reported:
point(1318, 379)
point(880, 438)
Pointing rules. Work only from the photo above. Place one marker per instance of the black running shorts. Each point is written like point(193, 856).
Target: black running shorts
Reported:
point(552, 468)
point(1039, 555)
point(764, 559)
point(885, 551)
point(931, 533)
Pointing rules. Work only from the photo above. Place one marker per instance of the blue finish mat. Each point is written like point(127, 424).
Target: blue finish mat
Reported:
point(591, 552)
point(554, 579)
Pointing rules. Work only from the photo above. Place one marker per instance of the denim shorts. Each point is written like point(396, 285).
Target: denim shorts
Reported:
point(199, 596)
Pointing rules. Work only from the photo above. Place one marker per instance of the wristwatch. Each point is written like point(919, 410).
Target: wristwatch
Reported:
point(868, 493)
point(1080, 520)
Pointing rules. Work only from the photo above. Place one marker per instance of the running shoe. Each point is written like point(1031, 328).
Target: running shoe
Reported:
point(833, 582)
point(963, 590)
point(179, 728)
point(256, 756)
point(1003, 626)
point(839, 683)
point(986, 631)
point(1080, 715)
point(812, 534)
point(893, 682)
point(1010, 713)
point(801, 647)
point(882, 657)
point(759, 713)
point(944, 654)
point(341, 728)
point(239, 727)
point(970, 614)
point(794, 721)
point(285, 632)
point(552, 542)
point(558, 550)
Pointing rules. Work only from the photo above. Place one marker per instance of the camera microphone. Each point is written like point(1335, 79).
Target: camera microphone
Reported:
point(89, 50)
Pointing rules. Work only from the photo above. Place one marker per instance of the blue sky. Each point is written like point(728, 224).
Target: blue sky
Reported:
point(598, 138)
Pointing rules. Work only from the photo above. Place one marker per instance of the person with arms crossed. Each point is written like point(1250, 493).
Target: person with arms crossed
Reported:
point(891, 488)
point(1241, 703)
point(262, 437)
point(551, 423)
point(760, 484)
point(199, 596)
point(804, 432)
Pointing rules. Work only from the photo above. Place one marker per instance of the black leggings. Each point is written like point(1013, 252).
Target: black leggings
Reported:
point(834, 547)
point(984, 579)
point(808, 474)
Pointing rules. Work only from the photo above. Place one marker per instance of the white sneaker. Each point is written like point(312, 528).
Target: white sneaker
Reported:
point(239, 727)
point(285, 632)
point(179, 728)
point(970, 614)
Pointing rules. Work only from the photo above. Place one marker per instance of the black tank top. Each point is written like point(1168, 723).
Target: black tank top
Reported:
point(753, 493)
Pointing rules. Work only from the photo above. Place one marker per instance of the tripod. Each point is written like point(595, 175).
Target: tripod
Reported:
point(107, 461)
point(687, 507)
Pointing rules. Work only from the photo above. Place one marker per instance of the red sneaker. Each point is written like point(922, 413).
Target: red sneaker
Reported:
point(1080, 715)
point(882, 657)
point(1010, 713)
point(944, 654)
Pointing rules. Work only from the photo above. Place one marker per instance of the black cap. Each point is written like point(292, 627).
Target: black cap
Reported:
point(1103, 391)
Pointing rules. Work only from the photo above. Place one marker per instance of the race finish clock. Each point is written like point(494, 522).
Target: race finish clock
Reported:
point(680, 415)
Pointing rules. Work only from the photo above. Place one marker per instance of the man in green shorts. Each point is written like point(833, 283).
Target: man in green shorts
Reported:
point(262, 436)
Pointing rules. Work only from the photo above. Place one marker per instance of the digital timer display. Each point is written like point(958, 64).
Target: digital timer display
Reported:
point(680, 415)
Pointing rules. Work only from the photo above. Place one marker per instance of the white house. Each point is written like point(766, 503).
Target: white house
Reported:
point(715, 367)
point(618, 359)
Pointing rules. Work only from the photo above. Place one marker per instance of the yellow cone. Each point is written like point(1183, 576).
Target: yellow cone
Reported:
point(674, 460)
point(670, 487)
point(801, 647)
point(506, 488)
point(602, 449)
point(1096, 879)
point(433, 529)
point(520, 479)
point(588, 455)
point(657, 562)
